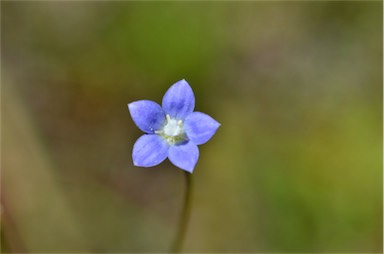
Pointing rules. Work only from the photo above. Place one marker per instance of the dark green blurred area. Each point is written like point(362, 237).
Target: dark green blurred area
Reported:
point(296, 165)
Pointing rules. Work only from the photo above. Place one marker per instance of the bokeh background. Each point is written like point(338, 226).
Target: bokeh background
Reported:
point(296, 165)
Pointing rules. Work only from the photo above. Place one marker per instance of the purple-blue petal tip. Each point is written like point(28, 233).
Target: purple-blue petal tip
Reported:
point(149, 150)
point(184, 156)
point(147, 115)
point(179, 100)
point(200, 127)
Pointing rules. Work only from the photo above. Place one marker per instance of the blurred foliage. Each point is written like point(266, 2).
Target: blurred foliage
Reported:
point(296, 165)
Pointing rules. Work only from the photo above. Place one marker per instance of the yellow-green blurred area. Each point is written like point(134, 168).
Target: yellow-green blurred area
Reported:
point(296, 165)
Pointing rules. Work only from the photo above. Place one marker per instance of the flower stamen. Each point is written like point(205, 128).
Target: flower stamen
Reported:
point(172, 131)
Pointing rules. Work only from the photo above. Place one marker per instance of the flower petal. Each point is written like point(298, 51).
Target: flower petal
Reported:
point(149, 150)
point(200, 127)
point(184, 156)
point(147, 115)
point(179, 100)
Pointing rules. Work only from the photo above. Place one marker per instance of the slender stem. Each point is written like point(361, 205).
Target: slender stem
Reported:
point(184, 216)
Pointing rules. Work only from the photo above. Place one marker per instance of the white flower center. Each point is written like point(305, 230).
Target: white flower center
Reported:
point(172, 128)
point(173, 131)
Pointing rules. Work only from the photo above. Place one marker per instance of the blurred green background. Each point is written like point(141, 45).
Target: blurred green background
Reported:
point(296, 165)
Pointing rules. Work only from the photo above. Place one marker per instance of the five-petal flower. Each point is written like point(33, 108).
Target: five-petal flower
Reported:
point(172, 131)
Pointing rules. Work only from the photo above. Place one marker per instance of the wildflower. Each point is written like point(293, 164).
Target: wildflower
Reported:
point(172, 131)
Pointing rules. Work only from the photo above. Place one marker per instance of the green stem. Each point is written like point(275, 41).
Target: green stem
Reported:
point(184, 217)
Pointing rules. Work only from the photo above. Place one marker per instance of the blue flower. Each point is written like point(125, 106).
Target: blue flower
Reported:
point(172, 131)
